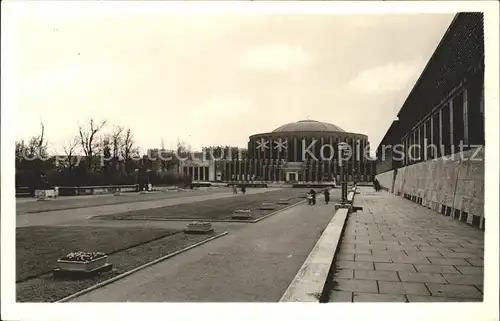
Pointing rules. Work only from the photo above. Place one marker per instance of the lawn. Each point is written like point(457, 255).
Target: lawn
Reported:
point(217, 209)
point(39, 247)
point(84, 201)
point(46, 288)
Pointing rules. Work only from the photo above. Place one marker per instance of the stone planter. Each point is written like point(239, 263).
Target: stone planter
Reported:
point(241, 214)
point(78, 266)
point(199, 227)
point(267, 206)
point(283, 201)
point(45, 195)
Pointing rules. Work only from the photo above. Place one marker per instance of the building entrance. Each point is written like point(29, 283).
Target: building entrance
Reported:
point(291, 176)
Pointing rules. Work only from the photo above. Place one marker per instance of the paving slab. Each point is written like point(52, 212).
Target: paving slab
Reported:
point(471, 279)
point(376, 275)
point(369, 297)
point(407, 250)
point(454, 291)
point(403, 288)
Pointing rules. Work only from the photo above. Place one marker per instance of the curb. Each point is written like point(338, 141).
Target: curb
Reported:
point(121, 276)
point(211, 221)
point(276, 212)
point(311, 281)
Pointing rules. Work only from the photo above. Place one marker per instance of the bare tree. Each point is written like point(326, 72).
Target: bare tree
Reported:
point(35, 151)
point(20, 150)
point(116, 142)
point(128, 150)
point(88, 140)
point(70, 149)
point(37, 146)
point(163, 157)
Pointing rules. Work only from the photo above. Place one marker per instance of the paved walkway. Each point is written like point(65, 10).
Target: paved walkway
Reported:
point(72, 215)
point(256, 264)
point(396, 250)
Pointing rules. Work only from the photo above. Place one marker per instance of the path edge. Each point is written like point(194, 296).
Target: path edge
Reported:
point(310, 282)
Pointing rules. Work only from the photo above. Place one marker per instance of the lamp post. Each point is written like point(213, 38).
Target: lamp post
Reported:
point(342, 147)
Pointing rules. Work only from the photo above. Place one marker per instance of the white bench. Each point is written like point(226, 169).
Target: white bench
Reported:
point(45, 194)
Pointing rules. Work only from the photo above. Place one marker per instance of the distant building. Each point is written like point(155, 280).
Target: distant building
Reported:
point(304, 151)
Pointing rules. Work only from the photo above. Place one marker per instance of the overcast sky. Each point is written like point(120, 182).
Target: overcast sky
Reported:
point(215, 79)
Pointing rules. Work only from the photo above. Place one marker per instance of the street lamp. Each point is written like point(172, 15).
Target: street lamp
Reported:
point(343, 146)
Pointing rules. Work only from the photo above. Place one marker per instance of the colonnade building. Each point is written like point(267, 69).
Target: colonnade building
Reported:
point(302, 151)
point(440, 129)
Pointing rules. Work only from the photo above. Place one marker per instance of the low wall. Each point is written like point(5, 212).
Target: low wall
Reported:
point(453, 186)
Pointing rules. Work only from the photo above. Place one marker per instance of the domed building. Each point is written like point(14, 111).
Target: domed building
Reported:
point(302, 151)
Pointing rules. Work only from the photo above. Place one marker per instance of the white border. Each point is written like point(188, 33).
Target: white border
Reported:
point(451, 311)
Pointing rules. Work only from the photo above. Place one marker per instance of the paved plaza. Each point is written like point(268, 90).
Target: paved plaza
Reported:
point(398, 251)
point(392, 251)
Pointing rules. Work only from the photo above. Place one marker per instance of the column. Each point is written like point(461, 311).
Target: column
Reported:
point(452, 130)
point(440, 134)
point(458, 122)
point(465, 118)
point(408, 144)
point(435, 135)
point(359, 159)
point(419, 143)
point(428, 137)
point(296, 151)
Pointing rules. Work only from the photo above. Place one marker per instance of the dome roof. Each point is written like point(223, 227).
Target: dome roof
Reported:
point(308, 126)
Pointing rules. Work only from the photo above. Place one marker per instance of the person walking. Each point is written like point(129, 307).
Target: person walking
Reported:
point(327, 195)
point(235, 190)
point(312, 197)
point(243, 190)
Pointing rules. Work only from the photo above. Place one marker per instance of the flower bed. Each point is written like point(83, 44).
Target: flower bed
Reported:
point(242, 214)
point(199, 227)
point(81, 256)
point(82, 261)
point(267, 206)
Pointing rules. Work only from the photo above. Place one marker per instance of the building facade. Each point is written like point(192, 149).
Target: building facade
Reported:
point(308, 150)
point(304, 151)
point(446, 105)
point(433, 153)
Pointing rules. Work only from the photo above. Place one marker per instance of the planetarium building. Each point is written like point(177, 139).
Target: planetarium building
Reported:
point(303, 151)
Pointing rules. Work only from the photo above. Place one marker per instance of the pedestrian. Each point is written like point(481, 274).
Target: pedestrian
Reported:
point(376, 185)
point(235, 190)
point(312, 199)
point(327, 195)
point(243, 190)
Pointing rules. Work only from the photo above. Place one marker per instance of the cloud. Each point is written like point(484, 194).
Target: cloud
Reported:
point(386, 78)
point(274, 57)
